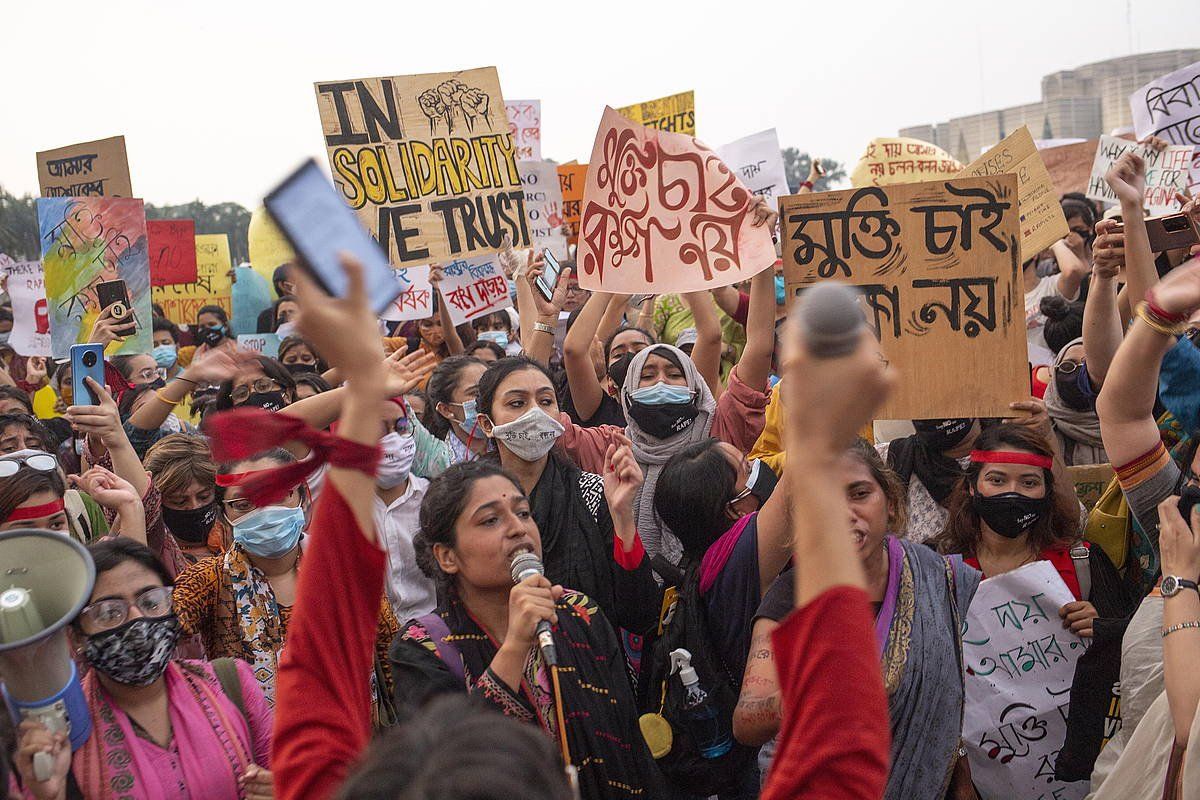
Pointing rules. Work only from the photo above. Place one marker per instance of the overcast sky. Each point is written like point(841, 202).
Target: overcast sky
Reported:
point(215, 98)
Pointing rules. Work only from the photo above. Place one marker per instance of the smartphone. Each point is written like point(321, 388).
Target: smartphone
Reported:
point(817, 166)
point(1188, 498)
point(549, 277)
point(87, 361)
point(320, 226)
point(115, 296)
point(1171, 232)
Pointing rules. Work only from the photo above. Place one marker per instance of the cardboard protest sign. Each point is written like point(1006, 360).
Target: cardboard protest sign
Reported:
point(269, 250)
point(888, 161)
point(1070, 165)
point(1169, 108)
point(1090, 482)
point(675, 114)
point(662, 213)
point(172, 251)
point(758, 162)
point(525, 125)
point(427, 161)
point(415, 300)
point(26, 286)
point(939, 264)
point(263, 344)
point(88, 169)
point(1020, 663)
point(571, 181)
point(87, 241)
point(1041, 217)
point(473, 287)
point(1166, 172)
point(182, 301)
point(543, 205)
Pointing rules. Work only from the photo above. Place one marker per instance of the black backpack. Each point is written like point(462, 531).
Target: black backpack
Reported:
point(684, 625)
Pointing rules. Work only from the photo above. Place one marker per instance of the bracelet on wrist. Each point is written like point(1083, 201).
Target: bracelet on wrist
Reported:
point(185, 380)
point(806, 185)
point(1155, 322)
point(1195, 623)
point(1158, 311)
point(543, 327)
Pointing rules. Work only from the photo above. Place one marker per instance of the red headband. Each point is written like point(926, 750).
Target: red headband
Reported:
point(36, 512)
point(1008, 457)
point(231, 479)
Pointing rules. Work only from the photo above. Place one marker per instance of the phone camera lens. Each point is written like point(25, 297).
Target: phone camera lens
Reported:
point(89, 359)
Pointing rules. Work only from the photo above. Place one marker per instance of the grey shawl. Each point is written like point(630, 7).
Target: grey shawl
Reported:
point(1078, 431)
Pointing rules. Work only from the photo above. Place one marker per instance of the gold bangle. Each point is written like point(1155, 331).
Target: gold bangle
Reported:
point(1155, 323)
point(158, 393)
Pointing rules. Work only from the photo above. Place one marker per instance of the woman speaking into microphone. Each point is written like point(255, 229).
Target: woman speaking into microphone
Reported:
point(482, 638)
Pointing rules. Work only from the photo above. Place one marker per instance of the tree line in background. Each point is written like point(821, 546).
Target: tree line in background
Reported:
point(19, 229)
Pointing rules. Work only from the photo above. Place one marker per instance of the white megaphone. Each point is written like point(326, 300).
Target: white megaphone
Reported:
point(46, 578)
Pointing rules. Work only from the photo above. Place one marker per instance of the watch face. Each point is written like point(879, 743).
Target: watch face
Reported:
point(1170, 586)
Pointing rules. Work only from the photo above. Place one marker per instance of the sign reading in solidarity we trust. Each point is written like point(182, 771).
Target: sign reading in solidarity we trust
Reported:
point(938, 264)
point(427, 161)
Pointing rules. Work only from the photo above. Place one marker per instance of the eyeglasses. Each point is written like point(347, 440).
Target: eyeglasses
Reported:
point(145, 375)
point(1068, 367)
point(42, 462)
point(241, 505)
point(112, 612)
point(242, 393)
point(742, 495)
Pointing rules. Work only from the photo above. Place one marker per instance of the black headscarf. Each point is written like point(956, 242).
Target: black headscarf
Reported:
point(913, 455)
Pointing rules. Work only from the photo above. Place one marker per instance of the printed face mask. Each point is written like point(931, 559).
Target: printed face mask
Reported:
point(270, 531)
point(164, 355)
point(394, 467)
point(940, 435)
point(137, 652)
point(190, 525)
point(211, 336)
point(530, 436)
point(270, 401)
point(1010, 514)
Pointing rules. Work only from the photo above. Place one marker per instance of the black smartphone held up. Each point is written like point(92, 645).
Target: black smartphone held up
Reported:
point(549, 277)
point(114, 295)
point(1171, 232)
point(320, 226)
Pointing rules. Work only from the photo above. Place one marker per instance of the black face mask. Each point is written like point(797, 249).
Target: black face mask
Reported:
point(940, 435)
point(1010, 514)
point(210, 336)
point(190, 525)
point(762, 481)
point(665, 420)
point(1070, 390)
point(299, 367)
point(271, 401)
point(157, 383)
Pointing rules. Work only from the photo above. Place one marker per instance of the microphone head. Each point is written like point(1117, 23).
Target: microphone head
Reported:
point(830, 319)
point(524, 564)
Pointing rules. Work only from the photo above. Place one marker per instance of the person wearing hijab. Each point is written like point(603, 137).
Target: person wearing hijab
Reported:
point(1071, 401)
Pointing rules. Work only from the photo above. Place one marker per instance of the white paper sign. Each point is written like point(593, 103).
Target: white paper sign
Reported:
point(1019, 663)
point(415, 300)
point(474, 287)
point(525, 125)
point(1166, 172)
point(543, 205)
point(31, 319)
point(263, 344)
point(1169, 108)
point(758, 162)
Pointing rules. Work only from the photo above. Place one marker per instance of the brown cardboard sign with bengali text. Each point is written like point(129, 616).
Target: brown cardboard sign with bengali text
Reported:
point(426, 161)
point(939, 265)
point(87, 169)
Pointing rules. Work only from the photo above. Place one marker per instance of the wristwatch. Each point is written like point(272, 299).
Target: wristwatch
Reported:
point(1173, 585)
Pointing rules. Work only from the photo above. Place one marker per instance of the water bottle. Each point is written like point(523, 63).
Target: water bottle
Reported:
point(703, 718)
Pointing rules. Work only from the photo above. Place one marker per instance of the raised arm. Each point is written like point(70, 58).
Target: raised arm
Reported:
point(707, 352)
point(1127, 178)
point(1102, 331)
point(1179, 541)
point(1072, 269)
point(102, 425)
point(754, 368)
point(586, 392)
point(537, 336)
point(454, 342)
point(214, 367)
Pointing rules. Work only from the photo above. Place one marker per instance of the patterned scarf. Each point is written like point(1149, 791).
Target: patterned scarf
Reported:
point(257, 617)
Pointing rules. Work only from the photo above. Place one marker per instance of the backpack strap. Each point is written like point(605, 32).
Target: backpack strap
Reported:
point(1080, 559)
point(439, 633)
point(671, 574)
point(226, 671)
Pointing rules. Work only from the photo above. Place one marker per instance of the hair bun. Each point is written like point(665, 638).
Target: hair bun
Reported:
point(1055, 307)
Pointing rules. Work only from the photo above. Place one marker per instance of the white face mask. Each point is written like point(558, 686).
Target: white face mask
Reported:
point(530, 436)
point(396, 464)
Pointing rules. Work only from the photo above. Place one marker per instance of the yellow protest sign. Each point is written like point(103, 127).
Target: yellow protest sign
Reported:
point(268, 247)
point(181, 301)
point(675, 114)
point(889, 161)
point(1041, 216)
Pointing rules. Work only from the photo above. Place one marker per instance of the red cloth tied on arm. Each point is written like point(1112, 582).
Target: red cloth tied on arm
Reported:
point(244, 432)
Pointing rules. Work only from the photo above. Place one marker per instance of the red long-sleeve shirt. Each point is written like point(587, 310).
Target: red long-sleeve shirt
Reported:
point(323, 700)
point(834, 741)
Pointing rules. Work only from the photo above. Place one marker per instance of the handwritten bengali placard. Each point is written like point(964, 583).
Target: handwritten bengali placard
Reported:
point(1040, 214)
point(758, 162)
point(473, 287)
point(525, 125)
point(26, 286)
point(88, 169)
point(1019, 663)
point(890, 161)
point(1166, 172)
point(571, 181)
point(662, 213)
point(1169, 107)
point(544, 205)
point(1090, 482)
point(427, 162)
point(675, 114)
point(182, 301)
point(172, 251)
point(939, 266)
point(87, 241)
point(415, 300)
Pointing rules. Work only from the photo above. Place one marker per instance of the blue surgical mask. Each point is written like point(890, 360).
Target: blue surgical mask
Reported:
point(780, 291)
point(5, 336)
point(499, 337)
point(164, 355)
point(661, 394)
point(470, 416)
point(270, 531)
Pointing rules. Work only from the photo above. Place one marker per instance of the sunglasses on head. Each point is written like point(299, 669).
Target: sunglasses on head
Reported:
point(42, 462)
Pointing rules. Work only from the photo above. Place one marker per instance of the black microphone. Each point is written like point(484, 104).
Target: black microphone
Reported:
point(523, 565)
point(830, 319)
